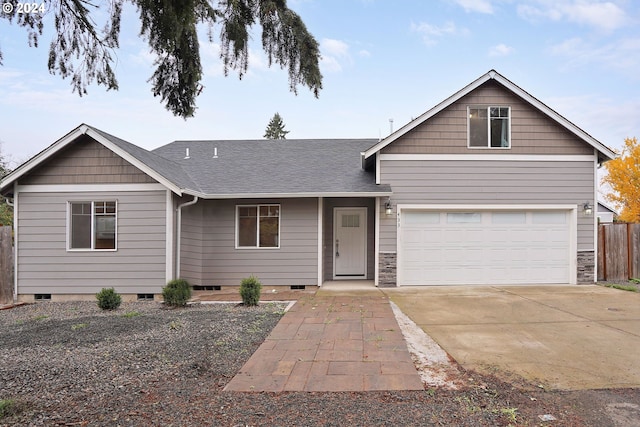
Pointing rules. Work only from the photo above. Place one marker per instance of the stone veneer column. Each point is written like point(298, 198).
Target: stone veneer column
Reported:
point(387, 270)
point(586, 267)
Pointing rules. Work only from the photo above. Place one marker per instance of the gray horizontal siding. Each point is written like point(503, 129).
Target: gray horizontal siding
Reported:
point(191, 246)
point(491, 182)
point(45, 265)
point(209, 256)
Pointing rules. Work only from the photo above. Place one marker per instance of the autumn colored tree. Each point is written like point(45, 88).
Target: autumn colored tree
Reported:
point(623, 176)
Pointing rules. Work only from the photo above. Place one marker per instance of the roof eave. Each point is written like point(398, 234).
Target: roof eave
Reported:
point(337, 194)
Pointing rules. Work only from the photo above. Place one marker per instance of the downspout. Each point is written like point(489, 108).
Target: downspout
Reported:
point(179, 232)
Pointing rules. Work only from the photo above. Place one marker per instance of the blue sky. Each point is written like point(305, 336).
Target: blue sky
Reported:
point(381, 60)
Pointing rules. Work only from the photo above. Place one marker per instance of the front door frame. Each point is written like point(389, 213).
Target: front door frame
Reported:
point(363, 215)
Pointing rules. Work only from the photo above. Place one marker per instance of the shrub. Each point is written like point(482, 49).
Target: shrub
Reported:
point(108, 299)
point(8, 407)
point(250, 290)
point(176, 293)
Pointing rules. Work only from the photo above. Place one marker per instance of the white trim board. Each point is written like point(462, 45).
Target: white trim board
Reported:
point(492, 157)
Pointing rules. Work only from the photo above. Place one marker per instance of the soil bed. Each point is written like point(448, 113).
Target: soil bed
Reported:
point(71, 364)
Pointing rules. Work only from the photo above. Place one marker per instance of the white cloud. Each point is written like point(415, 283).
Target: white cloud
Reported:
point(335, 53)
point(623, 55)
point(501, 50)
point(603, 15)
point(480, 6)
point(608, 120)
point(431, 34)
point(364, 53)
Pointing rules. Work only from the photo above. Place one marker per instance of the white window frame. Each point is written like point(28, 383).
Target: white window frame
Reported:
point(93, 240)
point(488, 108)
point(257, 206)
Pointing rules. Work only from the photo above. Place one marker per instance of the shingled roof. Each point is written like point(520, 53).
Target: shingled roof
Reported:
point(318, 167)
point(239, 169)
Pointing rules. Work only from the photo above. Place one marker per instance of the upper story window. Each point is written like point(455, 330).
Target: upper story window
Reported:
point(258, 226)
point(92, 225)
point(489, 127)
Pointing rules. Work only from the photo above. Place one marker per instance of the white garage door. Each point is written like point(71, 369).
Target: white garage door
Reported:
point(484, 247)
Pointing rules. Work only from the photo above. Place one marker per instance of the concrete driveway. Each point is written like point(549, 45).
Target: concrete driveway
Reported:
point(563, 337)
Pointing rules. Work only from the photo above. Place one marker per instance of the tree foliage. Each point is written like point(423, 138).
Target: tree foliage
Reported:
point(623, 176)
point(275, 128)
point(6, 211)
point(85, 53)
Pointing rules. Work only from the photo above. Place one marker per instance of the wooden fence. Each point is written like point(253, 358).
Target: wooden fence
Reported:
point(6, 265)
point(618, 251)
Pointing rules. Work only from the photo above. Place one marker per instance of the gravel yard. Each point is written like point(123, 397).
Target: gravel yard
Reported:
point(71, 364)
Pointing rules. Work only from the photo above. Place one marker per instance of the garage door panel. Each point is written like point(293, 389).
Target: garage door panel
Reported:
point(484, 247)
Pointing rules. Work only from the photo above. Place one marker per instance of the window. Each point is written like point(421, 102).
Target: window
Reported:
point(92, 225)
point(258, 226)
point(464, 218)
point(489, 127)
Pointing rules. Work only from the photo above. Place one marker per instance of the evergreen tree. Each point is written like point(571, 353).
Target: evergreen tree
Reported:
point(275, 128)
point(6, 211)
point(84, 51)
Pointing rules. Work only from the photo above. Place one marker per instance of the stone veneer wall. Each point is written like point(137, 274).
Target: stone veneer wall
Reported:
point(387, 270)
point(586, 267)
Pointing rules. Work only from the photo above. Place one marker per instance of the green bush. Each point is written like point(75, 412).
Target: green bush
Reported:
point(250, 290)
point(8, 407)
point(108, 299)
point(176, 293)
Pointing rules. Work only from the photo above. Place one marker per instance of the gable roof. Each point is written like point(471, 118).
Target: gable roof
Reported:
point(605, 153)
point(249, 169)
point(165, 172)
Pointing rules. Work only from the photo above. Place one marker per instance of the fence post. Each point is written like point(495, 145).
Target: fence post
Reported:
point(602, 252)
point(6, 265)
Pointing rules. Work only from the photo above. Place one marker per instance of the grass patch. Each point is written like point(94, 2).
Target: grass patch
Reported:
point(78, 326)
point(8, 407)
point(41, 317)
point(629, 288)
point(131, 314)
point(510, 413)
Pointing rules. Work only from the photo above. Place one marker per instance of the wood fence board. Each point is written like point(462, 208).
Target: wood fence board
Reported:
point(6, 265)
point(634, 255)
point(618, 251)
point(602, 248)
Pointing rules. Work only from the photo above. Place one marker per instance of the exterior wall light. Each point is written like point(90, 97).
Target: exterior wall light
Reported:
point(587, 209)
point(387, 207)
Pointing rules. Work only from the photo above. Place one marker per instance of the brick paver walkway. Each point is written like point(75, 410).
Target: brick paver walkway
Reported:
point(332, 343)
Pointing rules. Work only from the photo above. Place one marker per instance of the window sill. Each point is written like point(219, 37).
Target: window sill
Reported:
point(244, 248)
point(92, 250)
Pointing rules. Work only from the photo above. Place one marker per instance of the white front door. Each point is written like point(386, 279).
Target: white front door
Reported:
point(350, 243)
